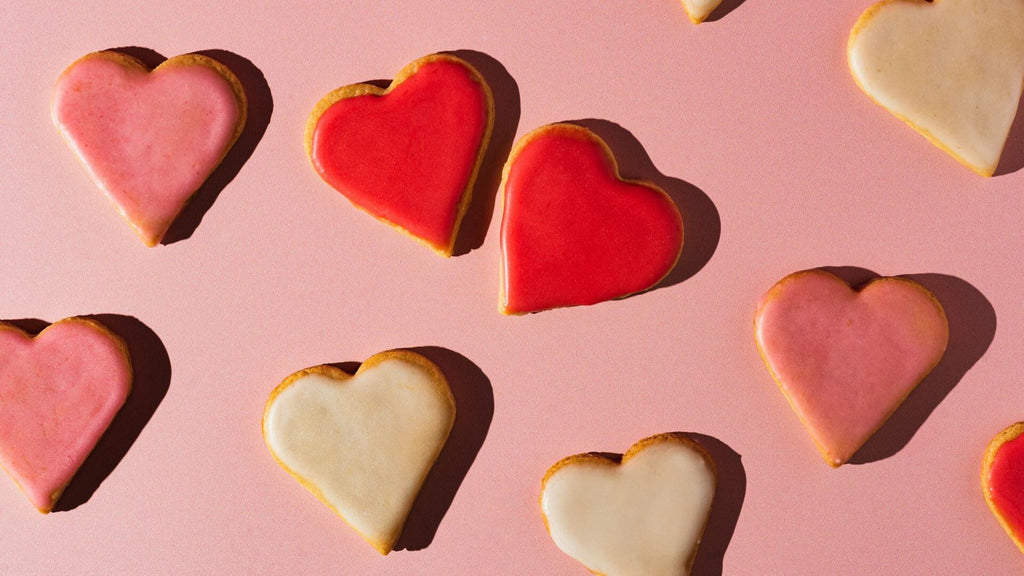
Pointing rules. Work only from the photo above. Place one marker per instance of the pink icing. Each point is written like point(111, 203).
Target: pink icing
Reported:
point(58, 394)
point(408, 156)
point(847, 359)
point(573, 233)
point(1006, 484)
point(149, 139)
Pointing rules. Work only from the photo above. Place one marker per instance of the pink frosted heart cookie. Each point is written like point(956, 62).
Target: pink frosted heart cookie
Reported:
point(1002, 480)
point(642, 517)
point(149, 138)
point(951, 69)
point(61, 389)
point(363, 443)
point(845, 358)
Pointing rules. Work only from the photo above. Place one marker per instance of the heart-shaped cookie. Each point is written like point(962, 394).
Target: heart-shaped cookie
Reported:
point(573, 231)
point(698, 10)
point(644, 516)
point(951, 69)
point(363, 443)
point(149, 138)
point(61, 389)
point(1002, 480)
point(845, 358)
point(408, 154)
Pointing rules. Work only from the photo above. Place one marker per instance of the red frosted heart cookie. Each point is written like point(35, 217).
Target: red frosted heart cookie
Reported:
point(845, 358)
point(573, 231)
point(149, 138)
point(60, 391)
point(408, 154)
point(1002, 480)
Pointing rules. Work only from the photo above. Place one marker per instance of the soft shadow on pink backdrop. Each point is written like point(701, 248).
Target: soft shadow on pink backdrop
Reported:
point(751, 121)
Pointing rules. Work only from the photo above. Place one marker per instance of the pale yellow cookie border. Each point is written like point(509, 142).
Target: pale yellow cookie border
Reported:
point(778, 286)
point(678, 438)
point(1008, 434)
point(340, 377)
point(107, 333)
point(581, 133)
point(410, 70)
point(858, 26)
point(182, 60)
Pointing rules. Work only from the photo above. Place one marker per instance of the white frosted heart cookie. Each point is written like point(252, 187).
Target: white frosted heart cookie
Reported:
point(644, 516)
point(698, 10)
point(363, 443)
point(951, 69)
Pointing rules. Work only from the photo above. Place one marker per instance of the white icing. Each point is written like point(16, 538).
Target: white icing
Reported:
point(698, 10)
point(363, 445)
point(643, 518)
point(953, 69)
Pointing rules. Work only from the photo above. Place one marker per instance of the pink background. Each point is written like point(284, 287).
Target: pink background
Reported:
point(751, 121)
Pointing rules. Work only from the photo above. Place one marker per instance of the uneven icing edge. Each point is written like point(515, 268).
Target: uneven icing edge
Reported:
point(1009, 434)
point(604, 461)
point(340, 376)
point(121, 347)
point(364, 89)
point(779, 286)
point(577, 131)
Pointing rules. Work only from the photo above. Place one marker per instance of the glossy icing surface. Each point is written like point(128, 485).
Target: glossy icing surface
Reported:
point(362, 444)
point(149, 139)
point(572, 232)
point(644, 517)
point(408, 156)
point(59, 391)
point(698, 10)
point(1004, 481)
point(846, 359)
point(952, 69)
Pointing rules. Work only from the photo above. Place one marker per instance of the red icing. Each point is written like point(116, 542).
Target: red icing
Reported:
point(573, 233)
point(407, 156)
point(1006, 482)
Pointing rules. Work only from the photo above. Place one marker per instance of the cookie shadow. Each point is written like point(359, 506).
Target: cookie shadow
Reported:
point(1012, 158)
point(972, 327)
point(702, 225)
point(474, 402)
point(505, 92)
point(151, 370)
point(723, 10)
point(260, 106)
point(730, 491)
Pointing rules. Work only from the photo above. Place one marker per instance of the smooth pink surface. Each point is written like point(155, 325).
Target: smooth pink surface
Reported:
point(1006, 481)
point(573, 233)
point(407, 156)
point(149, 139)
point(756, 109)
point(847, 359)
point(59, 393)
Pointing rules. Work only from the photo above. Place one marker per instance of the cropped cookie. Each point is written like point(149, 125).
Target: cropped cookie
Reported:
point(642, 517)
point(61, 389)
point(149, 138)
point(1002, 480)
point(951, 69)
point(408, 154)
point(574, 232)
point(363, 443)
point(847, 358)
point(698, 10)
